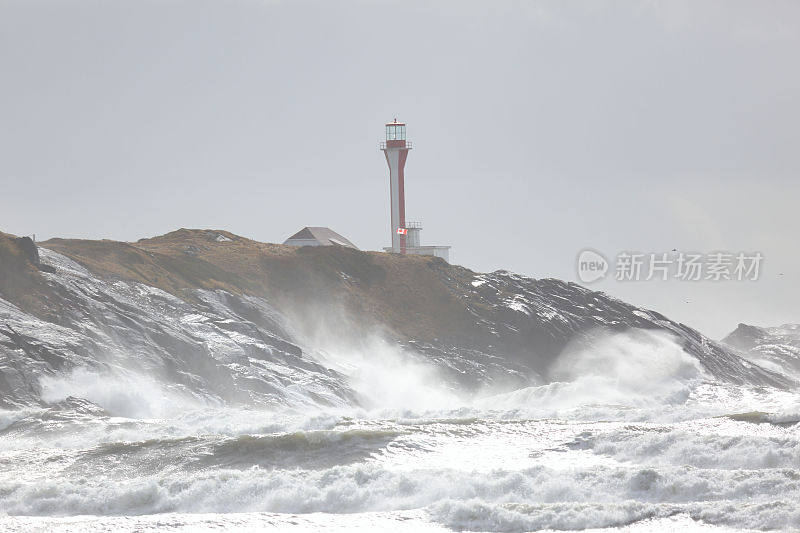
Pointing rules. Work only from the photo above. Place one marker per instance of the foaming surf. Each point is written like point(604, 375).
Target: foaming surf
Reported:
point(631, 434)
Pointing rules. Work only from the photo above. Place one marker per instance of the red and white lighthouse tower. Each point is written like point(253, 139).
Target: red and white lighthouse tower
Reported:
point(396, 148)
point(405, 234)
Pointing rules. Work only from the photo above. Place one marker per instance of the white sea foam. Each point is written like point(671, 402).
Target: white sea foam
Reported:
point(121, 393)
point(368, 487)
point(536, 473)
point(710, 445)
point(637, 375)
point(632, 367)
point(477, 515)
point(617, 442)
point(386, 377)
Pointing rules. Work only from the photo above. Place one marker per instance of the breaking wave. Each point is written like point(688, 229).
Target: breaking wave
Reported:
point(707, 446)
point(532, 498)
point(121, 393)
point(632, 432)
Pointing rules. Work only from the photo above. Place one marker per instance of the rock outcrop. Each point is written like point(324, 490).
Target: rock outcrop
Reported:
point(777, 348)
point(234, 320)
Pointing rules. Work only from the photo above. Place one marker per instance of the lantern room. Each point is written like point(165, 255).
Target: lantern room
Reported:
point(395, 131)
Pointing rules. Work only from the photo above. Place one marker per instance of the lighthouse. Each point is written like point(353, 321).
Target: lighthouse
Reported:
point(396, 148)
point(405, 236)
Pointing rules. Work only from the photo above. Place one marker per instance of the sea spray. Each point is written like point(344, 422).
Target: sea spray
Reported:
point(637, 365)
point(122, 393)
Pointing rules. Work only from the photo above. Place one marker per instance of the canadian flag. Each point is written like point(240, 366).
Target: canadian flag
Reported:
point(402, 231)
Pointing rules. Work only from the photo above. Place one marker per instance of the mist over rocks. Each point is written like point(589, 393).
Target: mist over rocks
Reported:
point(206, 317)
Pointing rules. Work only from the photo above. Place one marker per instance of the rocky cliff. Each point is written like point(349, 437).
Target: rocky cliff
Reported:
point(233, 320)
point(771, 347)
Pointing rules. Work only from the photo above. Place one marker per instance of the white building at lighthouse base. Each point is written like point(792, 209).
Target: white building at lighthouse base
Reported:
point(436, 251)
point(414, 246)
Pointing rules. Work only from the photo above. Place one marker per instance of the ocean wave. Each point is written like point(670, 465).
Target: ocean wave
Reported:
point(369, 487)
point(398, 521)
point(787, 416)
point(306, 449)
point(468, 468)
point(597, 398)
point(697, 446)
point(313, 449)
point(478, 515)
point(633, 374)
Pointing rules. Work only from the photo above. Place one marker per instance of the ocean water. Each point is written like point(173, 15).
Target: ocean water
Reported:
point(630, 437)
point(682, 452)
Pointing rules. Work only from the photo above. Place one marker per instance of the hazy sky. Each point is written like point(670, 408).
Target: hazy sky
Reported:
point(539, 129)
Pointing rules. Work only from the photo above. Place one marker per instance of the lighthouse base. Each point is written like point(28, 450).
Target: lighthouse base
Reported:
point(436, 251)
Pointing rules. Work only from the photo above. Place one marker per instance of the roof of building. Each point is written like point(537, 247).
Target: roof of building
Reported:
point(323, 236)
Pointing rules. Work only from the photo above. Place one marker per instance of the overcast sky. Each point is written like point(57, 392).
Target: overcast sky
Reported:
point(539, 129)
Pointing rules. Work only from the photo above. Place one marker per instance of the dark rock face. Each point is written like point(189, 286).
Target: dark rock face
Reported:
point(31, 253)
point(531, 321)
point(29, 248)
point(773, 347)
point(746, 337)
point(207, 351)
